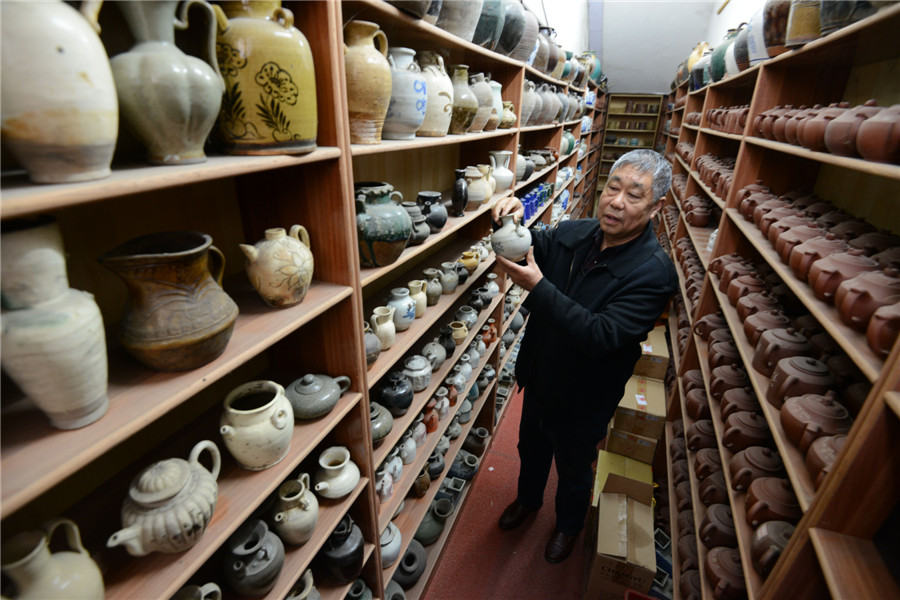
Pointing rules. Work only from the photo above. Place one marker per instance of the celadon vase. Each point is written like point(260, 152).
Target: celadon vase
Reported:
point(502, 175)
point(409, 96)
point(369, 81)
point(382, 225)
point(39, 574)
point(439, 87)
point(280, 266)
point(169, 99)
point(465, 103)
point(296, 511)
point(269, 106)
point(60, 114)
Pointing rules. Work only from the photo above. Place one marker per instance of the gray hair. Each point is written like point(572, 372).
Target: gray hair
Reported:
point(648, 161)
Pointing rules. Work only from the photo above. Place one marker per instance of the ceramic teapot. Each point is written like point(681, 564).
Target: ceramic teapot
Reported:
point(166, 496)
point(313, 396)
point(280, 266)
point(512, 240)
point(337, 475)
point(296, 511)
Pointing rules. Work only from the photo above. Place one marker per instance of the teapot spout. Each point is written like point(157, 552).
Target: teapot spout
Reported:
point(250, 252)
point(130, 537)
point(322, 486)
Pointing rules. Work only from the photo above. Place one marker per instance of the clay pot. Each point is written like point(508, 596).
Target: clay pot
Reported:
point(742, 285)
point(813, 134)
point(883, 329)
point(765, 206)
point(755, 302)
point(828, 216)
point(725, 573)
point(804, 254)
point(759, 322)
point(369, 82)
point(772, 499)
point(707, 461)
point(821, 455)
point(680, 471)
point(776, 344)
point(341, 556)
point(723, 353)
point(687, 554)
point(739, 399)
point(878, 137)
point(744, 429)
point(726, 377)
point(840, 135)
point(701, 434)
point(692, 379)
point(798, 375)
point(697, 404)
point(795, 128)
point(768, 542)
point(810, 416)
point(754, 462)
point(747, 205)
point(875, 242)
point(827, 273)
point(713, 490)
point(857, 298)
point(732, 271)
point(717, 528)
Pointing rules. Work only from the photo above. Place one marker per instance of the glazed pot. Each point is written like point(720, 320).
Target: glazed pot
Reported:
point(754, 462)
point(305, 588)
point(369, 80)
point(257, 424)
point(759, 322)
point(768, 542)
point(337, 475)
point(263, 55)
point(254, 559)
point(432, 524)
point(798, 375)
point(482, 90)
point(381, 422)
point(382, 324)
point(713, 490)
point(178, 317)
point(776, 344)
point(409, 98)
point(725, 573)
point(280, 267)
point(383, 227)
point(821, 455)
point(296, 511)
point(390, 542)
point(439, 87)
point(744, 429)
point(465, 102)
point(810, 416)
point(827, 273)
point(313, 396)
point(878, 137)
point(856, 299)
point(511, 240)
point(771, 499)
point(412, 565)
point(396, 393)
point(739, 399)
point(341, 556)
point(717, 528)
point(404, 308)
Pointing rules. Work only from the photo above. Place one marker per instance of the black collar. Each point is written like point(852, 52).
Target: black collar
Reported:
point(620, 263)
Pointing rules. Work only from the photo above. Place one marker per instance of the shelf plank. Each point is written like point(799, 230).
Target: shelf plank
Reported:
point(534, 177)
point(722, 134)
point(856, 164)
point(673, 515)
point(22, 197)
point(892, 399)
point(851, 341)
point(708, 191)
point(852, 566)
point(426, 142)
point(35, 456)
point(700, 238)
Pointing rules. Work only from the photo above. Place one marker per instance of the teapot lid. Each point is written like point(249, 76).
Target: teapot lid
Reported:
point(306, 385)
point(160, 481)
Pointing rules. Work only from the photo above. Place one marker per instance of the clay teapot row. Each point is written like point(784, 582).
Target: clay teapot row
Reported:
point(717, 173)
point(698, 211)
point(693, 118)
point(685, 150)
point(730, 119)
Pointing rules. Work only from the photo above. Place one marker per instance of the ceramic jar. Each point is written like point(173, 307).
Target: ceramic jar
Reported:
point(460, 18)
point(265, 60)
point(253, 560)
point(280, 266)
point(798, 375)
point(725, 572)
point(432, 206)
point(337, 475)
point(390, 542)
point(417, 294)
point(409, 98)
point(178, 317)
point(449, 277)
point(482, 90)
point(57, 137)
point(490, 24)
point(496, 115)
point(856, 299)
point(39, 574)
point(313, 396)
point(296, 511)
point(168, 99)
point(465, 103)
point(372, 344)
point(432, 524)
point(404, 308)
point(383, 227)
point(477, 440)
point(369, 80)
point(810, 416)
point(439, 87)
point(511, 240)
point(257, 424)
point(418, 370)
point(380, 421)
point(412, 565)
point(396, 393)
point(383, 325)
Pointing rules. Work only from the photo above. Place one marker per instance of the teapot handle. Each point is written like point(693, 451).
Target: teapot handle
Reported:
point(194, 458)
point(217, 22)
point(73, 536)
point(90, 10)
point(299, 232)
point(216, 264)
point(754, 511)
point(343, 382)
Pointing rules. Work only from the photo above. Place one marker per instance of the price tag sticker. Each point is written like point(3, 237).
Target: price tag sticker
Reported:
point(641, 401)
point(646, 348)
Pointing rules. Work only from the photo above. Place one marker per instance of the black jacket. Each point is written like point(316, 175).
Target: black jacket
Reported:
point(581, 344)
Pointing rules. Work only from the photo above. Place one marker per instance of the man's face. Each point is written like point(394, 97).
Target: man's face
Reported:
point(626, 205)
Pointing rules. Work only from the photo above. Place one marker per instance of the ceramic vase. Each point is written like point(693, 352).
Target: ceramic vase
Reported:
point(493, 121)
point(280, 266)
point(512, 240)
point(253, 559)
point(381, 422)
point(169, 99)
point(372, 344)
point(490, 24)
point(502, 175)
point(341, 556)
point(409, 97)
point(382, 225)
point(257, 424)
point(383, 325)
point(417, 293)
point(528, 40)
point(432, 524)
point(433, 288)
point(433, 208)
point(39, 574)
point(439, 88)
point(465, 103)
point(482, 90)
point(460, 17)
point(513, 27)
point(66, 131)
point(337, 475)
point(478, 190)
point(460, 193)
point(269, 106)
point(296, 511)
point(404, 308)
point(369, 80)
point(178, 317)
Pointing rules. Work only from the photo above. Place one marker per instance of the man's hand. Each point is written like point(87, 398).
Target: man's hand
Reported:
point(506, 206)
point(526, 277)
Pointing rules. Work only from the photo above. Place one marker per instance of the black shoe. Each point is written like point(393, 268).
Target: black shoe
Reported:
point(514, 515)
point(559, 547)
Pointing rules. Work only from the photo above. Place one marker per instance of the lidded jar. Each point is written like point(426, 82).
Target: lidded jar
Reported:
point(753, 462)
point(798, 375)
point(775, 344)
point(313, 396)
point(772, 499)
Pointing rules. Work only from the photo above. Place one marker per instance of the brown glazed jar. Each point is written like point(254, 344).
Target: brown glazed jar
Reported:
point(878, 138)
point(692, 379)
point(814, 131)
point(727, 377)
point(701, 434)
point(707, 461)
point(739, 399)
point(690, 583)
point(768, 542)
point(712, 490)
point(806, 253)
point(883, 329)
point(696, 404)
point(744, 429)
point(742, 285)
point(810, 416)
point(827, 273)
point(857, 298)
point(723, 353)
point(717, 527)
point(732, 271)
point(821, 455)
point(771, 499)
point(748, 204)
point(754, 462)
point(798, 375)
point(775, 344)
point(874, 242)
point(725, 573)
point(708, 323)
point(687, 553)
point(759, 322)
point(840, 134)
point(755, 302)
point(791, 238)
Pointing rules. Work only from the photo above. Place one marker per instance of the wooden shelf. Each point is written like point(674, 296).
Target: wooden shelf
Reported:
point(534, 177)
point(426, 142)
point(721, 134)
point(856, 164)
point(852, 566)
point(700, 238)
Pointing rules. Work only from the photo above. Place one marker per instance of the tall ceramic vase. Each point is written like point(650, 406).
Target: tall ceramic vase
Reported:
point(169, 99)
point(460, 17)
point(369, 83)
point(502, 175)
point(54, 346)
point(60, 116)
point(409, 96)
point(465, 103)
point(439, 107)
point(269, 105)
point(482, 90)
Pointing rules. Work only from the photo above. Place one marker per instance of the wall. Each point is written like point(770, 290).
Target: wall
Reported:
point(735, 13)
point(568, 17)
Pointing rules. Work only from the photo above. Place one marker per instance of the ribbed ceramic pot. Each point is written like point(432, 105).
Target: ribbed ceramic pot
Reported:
point(383, 227)
point(254, 559)
point(439, 88)
point(465, 103)
point(341, 556)
point(460, 17)
point(256, 424)
point(267, 63)
point(65, 131)
point(369, 80)
point(280, 266)
point(409, 97)
point(482, 90)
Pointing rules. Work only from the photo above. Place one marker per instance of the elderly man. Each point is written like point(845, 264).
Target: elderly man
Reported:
point(597, 287)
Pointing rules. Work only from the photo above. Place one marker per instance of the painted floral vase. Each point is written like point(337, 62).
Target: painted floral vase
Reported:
point(280, 266)
point(369, 80)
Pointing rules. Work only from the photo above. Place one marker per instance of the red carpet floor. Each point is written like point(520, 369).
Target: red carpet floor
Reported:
point(483, 562)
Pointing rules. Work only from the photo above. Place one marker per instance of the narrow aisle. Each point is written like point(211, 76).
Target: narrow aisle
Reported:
point(483, 562)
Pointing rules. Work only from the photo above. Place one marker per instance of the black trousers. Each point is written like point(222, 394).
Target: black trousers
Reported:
point(574, 447)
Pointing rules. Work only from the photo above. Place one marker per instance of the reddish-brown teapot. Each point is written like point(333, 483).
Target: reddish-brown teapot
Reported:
point(761, 321)
point(683, 497)
point(707, 323)
point(889, 258)
point(701, 434)
point(687, 554)
point(883, 329)
point(776, 344)
point(726, 377)
point(806, 253)
point(755, 302)
point(796, 376)
point(777, 214)
point(840, 134)
point(790, 238)
point(738, 399)
point(742, 285)
point(692, 379)
point(723, 353)
point(878, 138)
point(780, 122)
point(744, 429)
point(857, 298)
point(732, 271)
point(717, 264)
point(771, 499)
point(685, 522)
point(792, 127)
point(766, 206)
point(813, 136)
point(712, 490)
point(696, 404)
point(801, 124)
point(810, 416)
point(828, 216)
point(717, 527)
point(750, 189)
point(768, 542)
point(827, 273)
point(725, 572)
point(707, 461)
point(748, 204)
point(754, 462)
point(690, 586)
point(678, 449)
point(821, 455)
point(874, 242)
point(852, 228)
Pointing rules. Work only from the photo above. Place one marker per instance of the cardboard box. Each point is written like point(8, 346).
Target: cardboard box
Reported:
point(629, 444)
point(617, 474)
point(654, 358)
point(642, 409)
